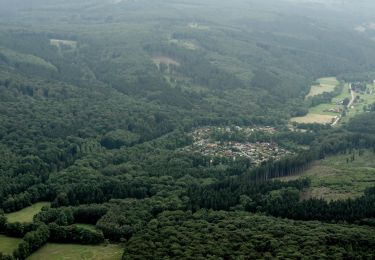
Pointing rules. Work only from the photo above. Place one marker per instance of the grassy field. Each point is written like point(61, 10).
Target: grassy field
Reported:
point(8, 244)
point(314, 118)
point(78, 252)
point(320, 114)
point(334, 178)
point(324, 85)
point(26, 214)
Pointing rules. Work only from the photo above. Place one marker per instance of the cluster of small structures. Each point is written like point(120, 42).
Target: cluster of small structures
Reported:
point(360, 87)
point(257, 152)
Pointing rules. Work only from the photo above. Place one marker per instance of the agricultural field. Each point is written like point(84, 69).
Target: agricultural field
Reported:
point(8, 244)
point(324, 85)
point(339, 176)
point(26, 214)
point(314, 118)
point(327, 112)
point(78, 252)
point(335, 105)
point(324, 113)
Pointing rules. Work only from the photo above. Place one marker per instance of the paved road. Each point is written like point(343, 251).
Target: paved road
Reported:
point(353, 97)
point(336, 121)
point(352, 93)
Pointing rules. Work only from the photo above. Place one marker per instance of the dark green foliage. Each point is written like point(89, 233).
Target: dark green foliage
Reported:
point(364, 123)
point(17, 229)
point(210, 234)
point(3, 221)
point(119, 138)
point(32, 241)
point(89, 214)
point(326, 97)
point(64, 216)
point(6, 257)
point(74, 234)
point(98, 126)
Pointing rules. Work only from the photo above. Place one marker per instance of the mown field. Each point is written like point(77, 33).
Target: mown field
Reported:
point(314, 118)
point(26, 214)
point(340, 177)
point(8, 244)
point(324, 85)
point(319, 113)
point(78, 252)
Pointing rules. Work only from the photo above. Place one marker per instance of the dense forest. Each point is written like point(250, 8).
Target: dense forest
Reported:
point(98, 100)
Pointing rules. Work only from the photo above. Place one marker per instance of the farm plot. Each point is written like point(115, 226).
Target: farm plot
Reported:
point(324, 85)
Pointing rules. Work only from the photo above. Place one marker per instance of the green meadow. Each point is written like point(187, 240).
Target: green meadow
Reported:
point(26, 214)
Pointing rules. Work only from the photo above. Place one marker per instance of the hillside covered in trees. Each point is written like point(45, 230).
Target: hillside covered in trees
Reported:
point(104, 111)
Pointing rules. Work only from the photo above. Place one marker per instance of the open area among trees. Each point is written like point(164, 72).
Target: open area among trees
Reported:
point(194, 129)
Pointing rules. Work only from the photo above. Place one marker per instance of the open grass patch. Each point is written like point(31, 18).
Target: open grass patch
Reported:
point(53, 251)
point(26, 214)
point(8, 244)
point(324, 85)
point(314, 118)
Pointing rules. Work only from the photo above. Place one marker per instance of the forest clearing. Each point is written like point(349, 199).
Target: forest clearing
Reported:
point(26, 214)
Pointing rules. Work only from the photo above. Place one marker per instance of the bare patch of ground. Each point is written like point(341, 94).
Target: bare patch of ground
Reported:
point(314, 118)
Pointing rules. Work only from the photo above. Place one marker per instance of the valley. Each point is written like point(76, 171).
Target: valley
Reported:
point(176, 129)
